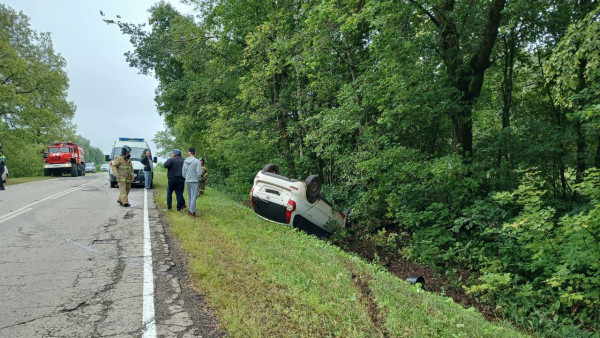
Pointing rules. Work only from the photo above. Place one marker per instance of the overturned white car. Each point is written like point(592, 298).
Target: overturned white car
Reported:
point(297, 203)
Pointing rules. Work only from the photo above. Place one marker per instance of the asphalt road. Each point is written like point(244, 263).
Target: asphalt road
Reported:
point(73, 263)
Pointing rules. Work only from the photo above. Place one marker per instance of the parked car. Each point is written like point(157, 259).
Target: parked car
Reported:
point(104, 167)
point(90, 167)
point(5, 175)
point(296, 203)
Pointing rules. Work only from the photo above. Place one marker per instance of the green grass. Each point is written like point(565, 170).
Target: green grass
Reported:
point(19, 180)
point(265, 279)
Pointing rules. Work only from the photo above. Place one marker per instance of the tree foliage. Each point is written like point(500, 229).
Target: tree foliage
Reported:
point(472, 125)
point(92, 154)
point(34, 109)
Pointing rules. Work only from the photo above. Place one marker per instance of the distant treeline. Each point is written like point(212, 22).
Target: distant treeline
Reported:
point(34, 110)
point(471, 126)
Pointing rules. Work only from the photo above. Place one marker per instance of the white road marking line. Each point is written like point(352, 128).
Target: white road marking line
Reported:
point(148, 320)
point(15, 215)
point(64, 193)
point(18, 211)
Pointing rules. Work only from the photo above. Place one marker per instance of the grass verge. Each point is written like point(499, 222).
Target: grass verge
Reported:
point(265, 279)
point(19, 180)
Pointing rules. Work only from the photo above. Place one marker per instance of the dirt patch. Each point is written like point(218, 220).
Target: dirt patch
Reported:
point(434, 282)
point(361, 282)
point(383, 249)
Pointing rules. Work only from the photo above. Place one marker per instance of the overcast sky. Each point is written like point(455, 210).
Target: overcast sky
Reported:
point(112, 99)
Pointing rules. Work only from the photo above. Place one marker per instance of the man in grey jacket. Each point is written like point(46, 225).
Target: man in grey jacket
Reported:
point(192, 172)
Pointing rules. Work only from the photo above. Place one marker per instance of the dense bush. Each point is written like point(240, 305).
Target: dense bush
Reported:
point(547, 268)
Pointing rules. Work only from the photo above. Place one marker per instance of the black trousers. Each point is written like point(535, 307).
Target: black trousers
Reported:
point(176, 184)
point(1, 183)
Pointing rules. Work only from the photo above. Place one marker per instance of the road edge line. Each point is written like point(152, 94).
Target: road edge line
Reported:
point(148, 319)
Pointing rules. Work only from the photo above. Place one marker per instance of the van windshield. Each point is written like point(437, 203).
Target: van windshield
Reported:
point(136, 153)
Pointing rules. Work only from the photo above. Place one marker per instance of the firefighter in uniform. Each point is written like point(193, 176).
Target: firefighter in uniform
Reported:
point(123, 169)
point(202, 181)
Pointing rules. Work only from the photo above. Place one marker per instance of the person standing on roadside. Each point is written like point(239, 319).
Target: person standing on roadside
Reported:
point(192, 172)
point(123, 169)
point(202, 182)
point(147, 162)
point(2, 165)
point(176, 183)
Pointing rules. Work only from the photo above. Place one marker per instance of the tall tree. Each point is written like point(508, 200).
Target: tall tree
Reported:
point(466, 56)
point(34, 109)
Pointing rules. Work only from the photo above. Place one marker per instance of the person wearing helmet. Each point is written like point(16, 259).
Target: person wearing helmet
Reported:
point(202, 181)
point(123, 169)
point(2, 165)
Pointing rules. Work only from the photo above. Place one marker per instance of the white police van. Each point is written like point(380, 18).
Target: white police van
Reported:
point(138, 147)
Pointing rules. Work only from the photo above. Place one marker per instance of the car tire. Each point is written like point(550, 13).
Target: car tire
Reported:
point(271, 168)
point(74, 171)
point(113, 184)
point(47, 172)
point(313, 188)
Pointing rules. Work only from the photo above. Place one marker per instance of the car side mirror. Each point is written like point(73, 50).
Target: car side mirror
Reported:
point(154, 159)
point(106, 158)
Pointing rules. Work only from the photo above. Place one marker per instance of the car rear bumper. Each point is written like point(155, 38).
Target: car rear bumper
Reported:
point(277, 213)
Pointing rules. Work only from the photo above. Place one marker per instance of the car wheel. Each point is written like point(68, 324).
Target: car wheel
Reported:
point(47, 172)
point(112, 184)
point(313, 188)
point(271, 168)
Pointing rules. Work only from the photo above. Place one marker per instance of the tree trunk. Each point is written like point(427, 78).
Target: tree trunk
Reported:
point(581, 149)
point(507, 89)
point(579, 124)
point(285, 145)
point(558, 121)
point(462, 133)
point(468, 78)
point(431, 142)
point(597, 159)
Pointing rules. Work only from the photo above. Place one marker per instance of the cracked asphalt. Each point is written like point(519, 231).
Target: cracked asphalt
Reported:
point(71, 264)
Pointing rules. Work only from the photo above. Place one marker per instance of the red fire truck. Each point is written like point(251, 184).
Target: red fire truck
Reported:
point(64, 158)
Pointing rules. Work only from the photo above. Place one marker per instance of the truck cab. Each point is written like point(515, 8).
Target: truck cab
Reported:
point(138, 147)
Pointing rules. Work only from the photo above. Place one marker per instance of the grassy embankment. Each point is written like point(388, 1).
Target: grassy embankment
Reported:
point(19, 180)
point(265, 279)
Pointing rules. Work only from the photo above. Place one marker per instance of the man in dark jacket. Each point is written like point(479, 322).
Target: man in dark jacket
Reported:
point(176, 180)
point(147, 162)
point(2, 164)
